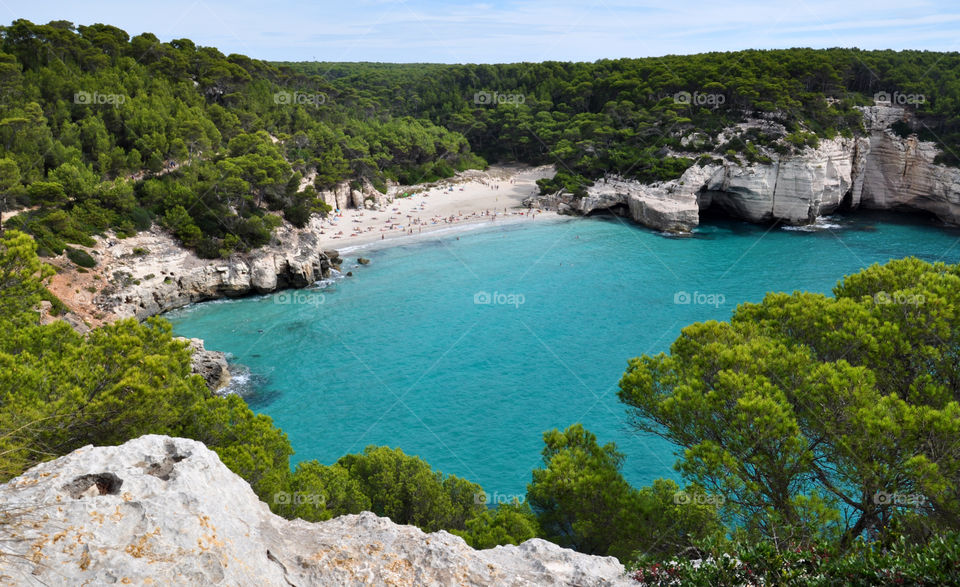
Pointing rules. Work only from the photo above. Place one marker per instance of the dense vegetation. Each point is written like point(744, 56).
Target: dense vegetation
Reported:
point(649, 118)
point(826, 424)
point(102, 131)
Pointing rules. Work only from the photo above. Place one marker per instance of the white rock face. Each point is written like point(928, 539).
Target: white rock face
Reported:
point(211, 365)
point(172, 277)
point(881, 171)
point(900, 173)
point(342, 196)
point(166, 511)
point(795, 189)
point(670, 206)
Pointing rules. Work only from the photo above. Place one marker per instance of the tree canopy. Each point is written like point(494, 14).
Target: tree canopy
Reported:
point(820, 417)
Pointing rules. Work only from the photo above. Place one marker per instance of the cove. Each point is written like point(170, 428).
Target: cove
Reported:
point(463, 349)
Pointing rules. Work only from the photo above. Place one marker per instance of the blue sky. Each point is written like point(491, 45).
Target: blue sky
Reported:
point(499, 31)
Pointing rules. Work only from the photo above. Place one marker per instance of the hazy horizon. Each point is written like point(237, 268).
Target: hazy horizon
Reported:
point(507, 31)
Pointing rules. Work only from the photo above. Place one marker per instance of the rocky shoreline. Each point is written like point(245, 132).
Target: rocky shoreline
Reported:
point(151, 273)
point(881, 171)
point(211, 365)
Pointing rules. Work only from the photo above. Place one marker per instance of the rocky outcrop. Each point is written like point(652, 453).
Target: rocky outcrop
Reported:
point(880, 171)
point(170, 276)
point(900, 173)
point(166, 511)
point(668, 206)
point(344, 196)
point(793, 189)
point(211, 365)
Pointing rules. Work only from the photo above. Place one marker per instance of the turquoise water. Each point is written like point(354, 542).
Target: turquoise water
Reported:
point(401, 355)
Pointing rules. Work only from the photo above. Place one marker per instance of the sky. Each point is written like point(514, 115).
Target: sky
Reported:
point(500, 31)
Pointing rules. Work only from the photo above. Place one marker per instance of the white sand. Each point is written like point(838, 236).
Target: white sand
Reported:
point(495, 195)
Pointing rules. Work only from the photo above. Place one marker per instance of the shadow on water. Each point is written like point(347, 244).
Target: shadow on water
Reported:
point(262, 397)
point(251, 386)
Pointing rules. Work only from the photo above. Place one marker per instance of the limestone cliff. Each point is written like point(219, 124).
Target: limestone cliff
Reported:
point(166, 511)
point(793, 189)
point(900, 173)
point(881, 171)
point(344, 195)
point(170, 276)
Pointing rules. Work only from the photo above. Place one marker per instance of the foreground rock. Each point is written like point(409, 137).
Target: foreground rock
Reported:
point(165, 511)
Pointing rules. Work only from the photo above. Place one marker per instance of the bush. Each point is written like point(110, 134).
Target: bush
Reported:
point(583, 502)
point(81, 258)
point(142, 219)
point(508, 523)
point(936, 562)
point(405, 489)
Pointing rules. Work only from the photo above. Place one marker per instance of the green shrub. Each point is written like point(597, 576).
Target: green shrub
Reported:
point(933, 563)
point(81, 258)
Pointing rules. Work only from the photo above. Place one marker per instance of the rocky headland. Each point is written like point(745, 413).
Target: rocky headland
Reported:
point(879, 171)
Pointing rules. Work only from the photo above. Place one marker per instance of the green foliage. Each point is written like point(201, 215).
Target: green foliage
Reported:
point(902, 563)
point(21, 279)
point(816, 417)
point(9, 179)
point(317, 492)
point(583, 502)
point(60, 390)
point(508, 523)
point(221, 137)
point(196, 132)
point(405, 489)
point(621, 117)
point(81, 258)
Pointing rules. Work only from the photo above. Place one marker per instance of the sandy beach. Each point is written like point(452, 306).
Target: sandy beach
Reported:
point(494, 195)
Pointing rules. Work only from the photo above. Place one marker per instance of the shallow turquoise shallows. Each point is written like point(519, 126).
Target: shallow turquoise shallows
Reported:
point(465, 351)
